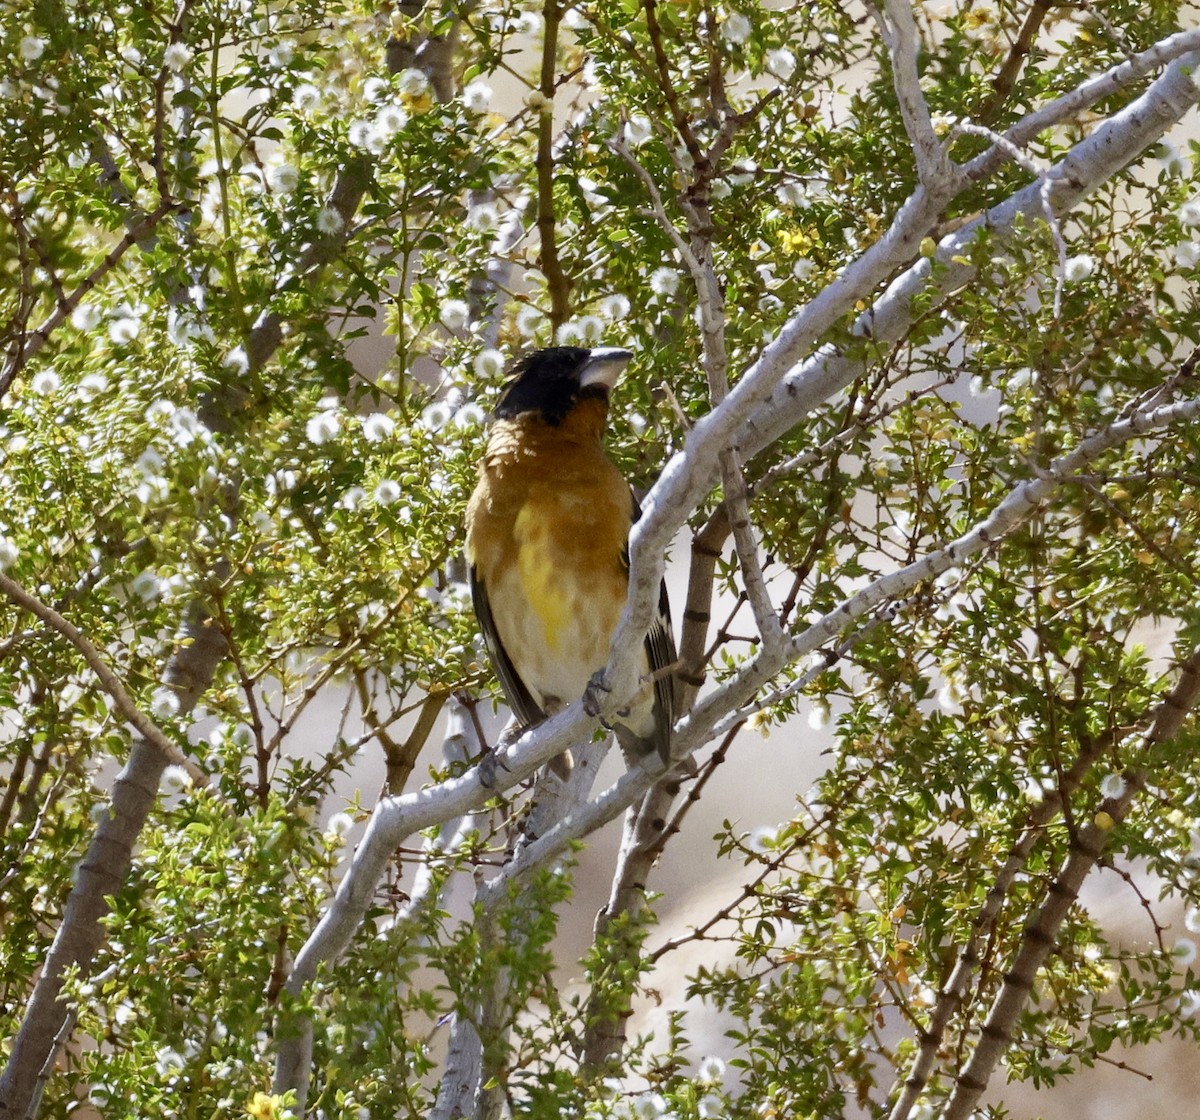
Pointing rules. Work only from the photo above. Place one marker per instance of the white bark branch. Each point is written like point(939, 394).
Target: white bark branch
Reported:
point(1091, 162)
point(899, 32)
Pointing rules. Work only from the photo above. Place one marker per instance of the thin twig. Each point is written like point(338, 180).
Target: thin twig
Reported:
point(111, 683)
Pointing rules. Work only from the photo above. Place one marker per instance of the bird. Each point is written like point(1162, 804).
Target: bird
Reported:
point(548, 548)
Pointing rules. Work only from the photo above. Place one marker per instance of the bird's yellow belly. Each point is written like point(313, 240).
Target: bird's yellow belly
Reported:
point(555, 628)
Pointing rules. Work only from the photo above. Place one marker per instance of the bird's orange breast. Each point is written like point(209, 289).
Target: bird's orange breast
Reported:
point(547, 528)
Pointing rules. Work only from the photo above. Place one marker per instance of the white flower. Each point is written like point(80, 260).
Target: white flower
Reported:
point(183, 325)
point(1184, 952)
point(281, 55)
point(352, 498)
point(236, 360)
point(649, 1106)
point(378, 426)
point(1112, 786)
point(306, 97)
point(85, 317)
point(469, 416)
point(568, 334)
point(637, 130)
point(762, 838)
point(766, 273)
point(164, 703)
point(375, 88)
point(32, 48)
point(454, 314)
point(436, 416)
point(711, 1071)
point(124, 1013)
point(124, 330)
point(45, 383)
point(176, 57)
point(528, 23)
point(147, 587)
point(529, 320)
point(591, 329)
point(387, 492)
point(791, 192)
point(168, 1061)
point(803, 268)
point(477, 96)
point(614, 307)
point(389, 120)
point(185, 426)
point(489, 364)
point(744, 173)
point(412, 82)
point(8, 553)
point(361, 134)
point(323, 427)
point(1189, 213)
point(91, 385)
point(283, 178)
point(176, 778)
point(818, 716)
point(152, 489)
point(329, 221)
point(1078, 268)
point(150, 463)
point(781, 62)
point(340, 824)
point(664, 281)
point(1189, 1003)
point(483, 217)
point(735, 28)
point(1191, 919)
point(1187, 254)
point(710, 1106)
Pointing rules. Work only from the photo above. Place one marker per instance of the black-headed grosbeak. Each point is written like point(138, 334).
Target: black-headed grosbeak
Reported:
point(547, 543)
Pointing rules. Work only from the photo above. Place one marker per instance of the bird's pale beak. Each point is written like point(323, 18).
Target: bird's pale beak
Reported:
point(604, 366)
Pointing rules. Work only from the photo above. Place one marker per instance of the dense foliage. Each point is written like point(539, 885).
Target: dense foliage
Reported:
point(264, 267)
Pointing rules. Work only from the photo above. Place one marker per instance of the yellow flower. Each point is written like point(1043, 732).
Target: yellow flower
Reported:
point(420, 102)
point(263, 1107)
point(795, 241)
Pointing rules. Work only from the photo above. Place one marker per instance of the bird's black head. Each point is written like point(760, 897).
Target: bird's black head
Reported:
point(552, 381)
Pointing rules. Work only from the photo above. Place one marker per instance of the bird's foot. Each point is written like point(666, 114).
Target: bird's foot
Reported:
point(593, 700)
point(594, 695)
point(491, 761)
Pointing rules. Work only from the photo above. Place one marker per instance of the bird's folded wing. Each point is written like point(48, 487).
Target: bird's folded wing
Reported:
point(519, 699)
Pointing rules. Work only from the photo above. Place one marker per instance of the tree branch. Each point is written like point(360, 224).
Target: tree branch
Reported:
point(109, 681)
point(899, 32)
point(557, 282)
point(100, 874)
point(1040, 936)
point(41, 335)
